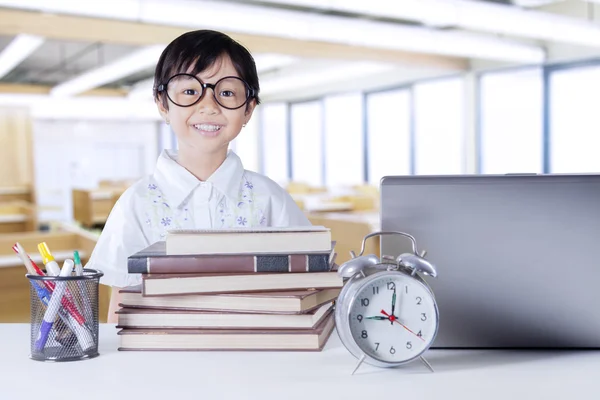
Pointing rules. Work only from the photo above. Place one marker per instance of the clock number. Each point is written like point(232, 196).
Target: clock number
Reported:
point(364, 302)
point(364, 335)
point(392, 350)
point(419, 334)
point(359, 318)
point(423, 317)
point(419, 300)
point(391, 285)
point(409, 345)
point(406, 289)
point(375, 289)
point(376, 346)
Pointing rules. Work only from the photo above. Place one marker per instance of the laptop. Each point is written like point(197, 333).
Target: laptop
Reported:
point(517, 256)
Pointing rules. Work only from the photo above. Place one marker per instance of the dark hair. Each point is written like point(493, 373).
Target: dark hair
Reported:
point(203, 48)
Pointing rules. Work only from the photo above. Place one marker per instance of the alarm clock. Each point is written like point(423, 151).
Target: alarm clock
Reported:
point(386, 314)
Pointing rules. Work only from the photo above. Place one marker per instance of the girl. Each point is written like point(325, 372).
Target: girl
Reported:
point(206, 87)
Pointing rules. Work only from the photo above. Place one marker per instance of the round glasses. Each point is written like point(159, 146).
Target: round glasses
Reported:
point(185, 90)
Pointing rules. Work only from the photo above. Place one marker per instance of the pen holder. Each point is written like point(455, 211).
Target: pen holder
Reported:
point(64, 316)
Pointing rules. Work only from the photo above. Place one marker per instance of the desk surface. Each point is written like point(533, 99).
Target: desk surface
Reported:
point(470, 374)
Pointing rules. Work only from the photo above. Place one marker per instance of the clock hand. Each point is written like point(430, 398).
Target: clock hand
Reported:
point(393, 304)
point(378, 317)
point(393, 319)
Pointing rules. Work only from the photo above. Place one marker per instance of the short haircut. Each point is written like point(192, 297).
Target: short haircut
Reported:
point(202, 48)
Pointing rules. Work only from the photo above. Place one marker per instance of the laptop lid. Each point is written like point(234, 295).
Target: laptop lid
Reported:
point(518, 256)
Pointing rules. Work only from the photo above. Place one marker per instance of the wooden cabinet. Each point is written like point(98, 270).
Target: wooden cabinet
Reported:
point(17, 216)
point(92, 207)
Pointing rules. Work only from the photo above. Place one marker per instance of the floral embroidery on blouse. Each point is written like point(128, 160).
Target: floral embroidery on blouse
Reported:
point(160, 215)
point(245, 212)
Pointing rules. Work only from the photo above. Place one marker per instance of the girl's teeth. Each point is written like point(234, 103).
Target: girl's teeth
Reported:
point(210, 128)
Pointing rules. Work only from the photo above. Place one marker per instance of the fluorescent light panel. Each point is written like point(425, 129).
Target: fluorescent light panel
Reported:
point(17, 50)
point(125, 66)
point(469, 14)
point(252, 19)
point(322, 76)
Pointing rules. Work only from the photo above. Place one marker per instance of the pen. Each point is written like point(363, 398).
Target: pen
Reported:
point(30, 265)
point(53, 307)
point(85, 300)
point(53, 268)
point(84, 336)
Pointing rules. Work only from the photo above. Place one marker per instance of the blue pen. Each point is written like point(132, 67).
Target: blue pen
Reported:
point(44, 296)
point(53, 307)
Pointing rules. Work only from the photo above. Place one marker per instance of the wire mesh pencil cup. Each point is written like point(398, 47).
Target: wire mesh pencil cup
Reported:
point(64, 316)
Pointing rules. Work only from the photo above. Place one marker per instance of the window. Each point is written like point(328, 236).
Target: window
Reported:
point(388, 134)
point(574, 120)
point(307, 143)
point(439, 126)
point(274, 141)
point(511, 122)
point(344, 154)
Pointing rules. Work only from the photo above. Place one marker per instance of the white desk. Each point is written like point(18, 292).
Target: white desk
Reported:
point(481, 375)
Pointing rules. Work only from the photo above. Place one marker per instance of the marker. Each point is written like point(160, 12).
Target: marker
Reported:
point(48, 260)
point(54, 270)
point(53, 307)
point(85, 300)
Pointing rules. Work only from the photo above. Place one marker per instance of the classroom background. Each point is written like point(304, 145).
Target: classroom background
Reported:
point(352, 91)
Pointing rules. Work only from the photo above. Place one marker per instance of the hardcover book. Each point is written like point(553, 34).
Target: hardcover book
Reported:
point(154, 259)
point(250, 240)
point(172, 284)
point(147, 318)
point(227, 339)
point(290, 302)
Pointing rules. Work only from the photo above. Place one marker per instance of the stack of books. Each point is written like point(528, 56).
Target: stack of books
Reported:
point(248, 289)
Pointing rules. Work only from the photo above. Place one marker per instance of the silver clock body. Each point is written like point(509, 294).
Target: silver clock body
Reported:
point(348, 301)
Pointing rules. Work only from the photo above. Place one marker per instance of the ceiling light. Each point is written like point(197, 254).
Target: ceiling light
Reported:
point(324, 75)
point(468, 14)
point(17, 50)
point(142, 59)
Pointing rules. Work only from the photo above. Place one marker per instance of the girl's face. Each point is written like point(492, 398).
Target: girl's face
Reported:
point(206, 128)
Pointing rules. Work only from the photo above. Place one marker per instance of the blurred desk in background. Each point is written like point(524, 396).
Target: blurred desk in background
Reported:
point(92, 206)
point(348, 230)
point(17, 216)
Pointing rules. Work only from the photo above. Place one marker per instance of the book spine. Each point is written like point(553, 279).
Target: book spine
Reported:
point(232, 264)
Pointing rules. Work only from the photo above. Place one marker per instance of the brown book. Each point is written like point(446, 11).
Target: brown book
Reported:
point(155, 260)
point(290, 302)
point(228, 339)
point(146, 318)
point(176, 284)
point(266, 240)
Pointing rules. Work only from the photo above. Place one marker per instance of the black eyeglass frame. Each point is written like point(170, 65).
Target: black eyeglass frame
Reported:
point(250, 93)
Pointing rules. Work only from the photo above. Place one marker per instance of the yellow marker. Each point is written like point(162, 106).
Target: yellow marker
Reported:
point(45, 253)
point(52, 267)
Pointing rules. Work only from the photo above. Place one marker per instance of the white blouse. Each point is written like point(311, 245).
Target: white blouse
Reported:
point(173, 198)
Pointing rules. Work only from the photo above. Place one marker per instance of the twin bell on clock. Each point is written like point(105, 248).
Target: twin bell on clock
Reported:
point(386, 314)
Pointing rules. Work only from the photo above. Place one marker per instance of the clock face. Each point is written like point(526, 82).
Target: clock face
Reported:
point(393, 318)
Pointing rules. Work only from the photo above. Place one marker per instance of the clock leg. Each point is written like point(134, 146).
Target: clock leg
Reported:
point(426, 363)
point(358, 365)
